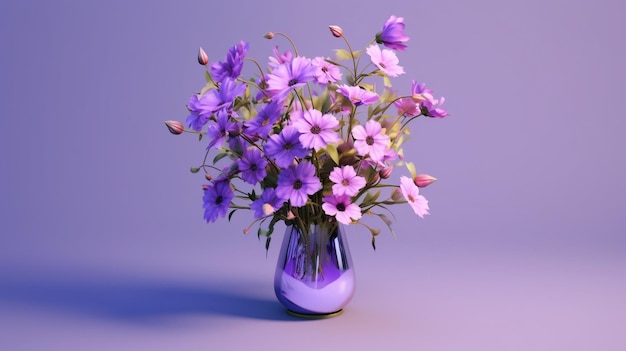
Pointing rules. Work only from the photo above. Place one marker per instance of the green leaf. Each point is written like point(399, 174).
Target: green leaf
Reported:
point(331, 149)
point(386, 81)
point(194, 169)
point(411, 168)
point(219, 156)
point(267, 244)
point(230, 215)
point(374, 243)
point(342, 54)
point(200, 136)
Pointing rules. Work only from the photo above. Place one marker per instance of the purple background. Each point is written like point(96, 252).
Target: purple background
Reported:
point(103, 244)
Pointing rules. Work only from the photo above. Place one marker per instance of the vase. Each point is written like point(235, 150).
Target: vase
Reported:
point(314, 274)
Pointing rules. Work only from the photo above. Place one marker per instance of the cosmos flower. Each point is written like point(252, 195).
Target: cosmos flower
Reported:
point(357, 95)
point(290, 75)
point(370, 140)
point(285, 147)
point(252, 166)
point(347, 182)
point(261, 125)
point(325, 71)
point(341, 208)
point(385, 60)
point(267, 204)
point(411, 194)
point(297, 182)
point(317, 130)
point(216, 199)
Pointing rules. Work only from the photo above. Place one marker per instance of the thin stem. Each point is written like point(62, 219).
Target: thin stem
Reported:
point(295, 49)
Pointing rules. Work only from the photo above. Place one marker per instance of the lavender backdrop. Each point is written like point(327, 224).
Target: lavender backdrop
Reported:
point(103, 244)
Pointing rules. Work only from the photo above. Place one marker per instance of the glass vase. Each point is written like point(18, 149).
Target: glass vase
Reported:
point(314, 274)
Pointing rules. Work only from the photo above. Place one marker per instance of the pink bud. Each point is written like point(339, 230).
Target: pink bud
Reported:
point(175, 127)
point(208, 176)
point(336, 31)
point(268, 35)
point(246, 230)
point(423, 180)
point(203, 59)
point(290, 215)
point(386, 172)
point(205, 187)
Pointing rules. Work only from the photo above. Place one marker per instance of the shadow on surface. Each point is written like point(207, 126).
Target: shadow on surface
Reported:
point(141, 300)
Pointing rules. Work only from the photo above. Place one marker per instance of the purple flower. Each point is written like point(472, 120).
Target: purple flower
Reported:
point(252, 166)
point(346, 181)
point(231, 68)
point(220, 129)
point(267, 204)
point(429, 107)
point(341, 208)
point(201, 109)
point(357, 95)
point(212, 101)
point(290, 75)
point(325, 71)
point(216, 200)
point(385, 60)
point(392, 35)
point(370, 140)
point(297, 182)
point(285, 147)
point(261, 125)
point(279, 59)
point(317, 130)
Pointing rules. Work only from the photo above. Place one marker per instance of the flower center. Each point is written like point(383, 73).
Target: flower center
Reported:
point(345, 182)
point(341, 207)
point(219, 200)
point(254, 167)
point(369, 140)
point(297, 184)
point(292, 82)
point(324, 69)
point(265, 122)
point(382, 65)
point(288, 146)
point(316, 129)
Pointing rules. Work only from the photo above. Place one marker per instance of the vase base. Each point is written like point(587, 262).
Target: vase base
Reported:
point(316, 315)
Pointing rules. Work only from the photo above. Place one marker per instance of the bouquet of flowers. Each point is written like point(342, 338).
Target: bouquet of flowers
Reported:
point(309, 141)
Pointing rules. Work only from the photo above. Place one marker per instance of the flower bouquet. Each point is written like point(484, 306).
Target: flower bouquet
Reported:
point(309, 141)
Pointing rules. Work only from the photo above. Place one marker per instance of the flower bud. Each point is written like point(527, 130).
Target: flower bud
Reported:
point(290, 215)
point(385, 173)
point(336, 31)
point(175, 127)
point(423, 180)
point(205, 187)
point(207, 176)
point(268, 209)
point(268, 35)
point(203, 59)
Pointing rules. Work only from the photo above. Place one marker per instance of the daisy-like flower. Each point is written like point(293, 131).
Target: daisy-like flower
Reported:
point(411, 194)
point(357, 96)
point(325, 71)
point(371, 140)
point(200, 111)
point(252, 166)
point(392, 35)
point(341, 208)
point(279, 59)
point(233, 64)
point(317, 130)
point(346, 181)
point(290, 75)
point(297, 182)
point(285, 147)
point(261, 125)
point(216, 199)
point(385, 60)
point(220, 129)
point(267, 204)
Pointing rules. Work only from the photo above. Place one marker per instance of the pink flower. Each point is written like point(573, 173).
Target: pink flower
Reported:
point(341, 207)
point(385, 60)
point(411, 194)
point(357, 95)
point(346, 181)
point(317, 130)
point(371, 140)
point(325, 71)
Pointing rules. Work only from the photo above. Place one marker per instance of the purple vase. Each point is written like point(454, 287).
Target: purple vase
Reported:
point(314, 274)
